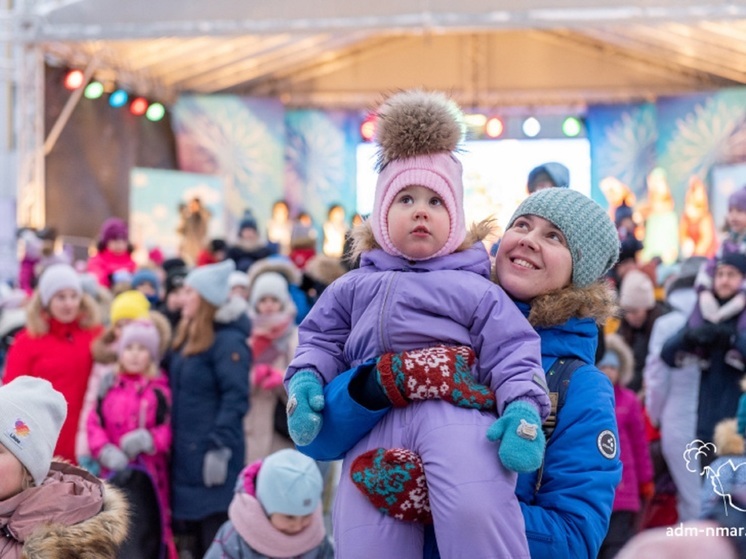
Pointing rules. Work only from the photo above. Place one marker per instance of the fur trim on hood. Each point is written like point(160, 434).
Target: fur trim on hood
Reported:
point(596, 301)
point(37, 321)
point(615, 343)
point(727, 440)
point(232, 310)
point(105, 353)
point(324, 269)
point(363, 240)
point(277, 264)
point(99, 537)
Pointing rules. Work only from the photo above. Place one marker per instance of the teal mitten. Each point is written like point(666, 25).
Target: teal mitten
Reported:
point(522, 440)
point(305, 402)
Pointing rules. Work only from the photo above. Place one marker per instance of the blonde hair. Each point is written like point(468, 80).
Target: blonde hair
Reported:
point(37, 321)
point(196, 334)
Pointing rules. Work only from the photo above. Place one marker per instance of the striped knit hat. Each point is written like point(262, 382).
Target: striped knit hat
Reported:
point(591, 236)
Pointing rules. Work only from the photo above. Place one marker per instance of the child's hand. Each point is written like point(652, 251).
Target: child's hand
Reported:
point(136, 442)
point(112, 458)
point(522, 440)
point(266, 377)
point(305, 403)
point(438, 372)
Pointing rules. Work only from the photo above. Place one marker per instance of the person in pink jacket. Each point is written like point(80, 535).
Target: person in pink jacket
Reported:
point(130, 429)
point(114, 252)
point(637, 469)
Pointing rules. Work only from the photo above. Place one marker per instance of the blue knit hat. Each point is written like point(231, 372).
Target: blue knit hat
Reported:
point(591, 236)
point(211, 281)
point(145, 275)
point(557, 173)
point(289, 483)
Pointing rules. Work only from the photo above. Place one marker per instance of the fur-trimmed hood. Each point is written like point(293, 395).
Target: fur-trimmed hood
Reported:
point(105, 352)
point(232, 310)
point(37, 317)
point(363, 239)
point(615, 343)
point(279, 264)
point(72, 514)
point(596, 301)
point(324, 269)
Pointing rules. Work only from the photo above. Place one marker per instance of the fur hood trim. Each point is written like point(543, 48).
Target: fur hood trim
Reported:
point(104, 351)
point(363, 240)
point(324, 269)
point(37, 321)
point(727, 439)
point(232, 310)
point(99, 537)
point(596, 301)
point(615, 343)
point(281, 265)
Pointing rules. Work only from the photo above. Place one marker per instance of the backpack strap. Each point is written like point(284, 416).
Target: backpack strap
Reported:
point(558, 380)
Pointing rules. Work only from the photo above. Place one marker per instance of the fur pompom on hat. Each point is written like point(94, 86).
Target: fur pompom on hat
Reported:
point(31, 416)
point(417, 133)
point(590, 234)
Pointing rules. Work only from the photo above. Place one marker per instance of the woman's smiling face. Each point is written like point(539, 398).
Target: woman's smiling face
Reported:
point(533, 259)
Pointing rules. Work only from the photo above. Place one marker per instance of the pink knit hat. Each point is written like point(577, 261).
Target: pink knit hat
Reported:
point(144, 333)
point(418, 132)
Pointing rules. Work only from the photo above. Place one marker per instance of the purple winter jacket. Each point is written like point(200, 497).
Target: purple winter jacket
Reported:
point(391, 304)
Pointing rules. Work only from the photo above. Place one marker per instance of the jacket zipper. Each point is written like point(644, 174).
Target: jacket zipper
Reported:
point(392, 275)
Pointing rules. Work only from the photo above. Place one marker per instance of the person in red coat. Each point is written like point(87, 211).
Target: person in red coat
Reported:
point(56, 344)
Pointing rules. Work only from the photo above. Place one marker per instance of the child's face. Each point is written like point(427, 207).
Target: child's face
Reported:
point(611, 372)
point(117, 246)
point(736, 220)
point(418, 222)
point(135, 358)
point(288, 524)
point(64, 305)
point(268, 305)
point(727, 282)
point(533, 258)
point(12, 474)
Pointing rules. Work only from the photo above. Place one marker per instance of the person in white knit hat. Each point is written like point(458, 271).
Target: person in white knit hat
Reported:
point(47, 508)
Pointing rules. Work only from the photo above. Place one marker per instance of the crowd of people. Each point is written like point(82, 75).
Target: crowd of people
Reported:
point(552, 395)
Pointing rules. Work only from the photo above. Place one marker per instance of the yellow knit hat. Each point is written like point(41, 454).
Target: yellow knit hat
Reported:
point(131, 305)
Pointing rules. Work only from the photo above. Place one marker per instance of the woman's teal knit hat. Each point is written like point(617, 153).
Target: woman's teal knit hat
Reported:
point(591, 236)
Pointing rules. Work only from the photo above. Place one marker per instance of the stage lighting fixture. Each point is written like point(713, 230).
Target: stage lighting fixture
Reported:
point(155, 112)
point(571, 127)
point(138, 106)
point(494, 127)
point(73, 79)
point(94, 90)
point(531, 127)
point(118, 98)
point(368, 128)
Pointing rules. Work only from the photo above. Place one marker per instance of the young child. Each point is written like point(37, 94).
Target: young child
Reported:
point(273, 340)
point(637, 469)
point(130, 425)
point(49, 509)
point(422, 282)
point(276, 512)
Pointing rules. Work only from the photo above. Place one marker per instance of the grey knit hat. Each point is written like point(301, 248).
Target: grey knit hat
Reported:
point(211, 281)
point(31, 417)
point(591, 236)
